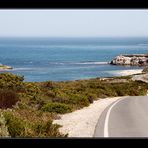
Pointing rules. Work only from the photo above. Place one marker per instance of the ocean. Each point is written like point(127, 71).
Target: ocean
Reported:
point(62, 59)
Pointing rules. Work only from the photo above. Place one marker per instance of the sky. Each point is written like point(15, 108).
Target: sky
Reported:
point(74, 23)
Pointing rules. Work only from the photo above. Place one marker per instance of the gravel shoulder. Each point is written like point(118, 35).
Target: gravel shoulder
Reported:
point(82, 123)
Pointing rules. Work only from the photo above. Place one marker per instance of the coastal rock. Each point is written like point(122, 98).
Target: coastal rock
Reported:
point(133, 59)
point(145, 70)
point(3, 67)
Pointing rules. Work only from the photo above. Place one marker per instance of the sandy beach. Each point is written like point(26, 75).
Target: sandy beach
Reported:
point(81, 123)
point(129, 72)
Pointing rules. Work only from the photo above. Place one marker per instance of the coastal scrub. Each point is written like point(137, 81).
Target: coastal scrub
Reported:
point(31, 107)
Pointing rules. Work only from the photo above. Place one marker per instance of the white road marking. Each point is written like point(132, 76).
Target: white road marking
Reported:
point(106, 133)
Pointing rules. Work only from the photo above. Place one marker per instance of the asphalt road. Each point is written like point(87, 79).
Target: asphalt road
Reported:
point(127, 117)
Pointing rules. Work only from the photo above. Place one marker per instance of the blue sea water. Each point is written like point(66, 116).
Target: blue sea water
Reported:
point(60, 59)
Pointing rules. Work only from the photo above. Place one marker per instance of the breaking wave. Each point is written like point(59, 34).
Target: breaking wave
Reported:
point(98, 63)
point(22, 69)
point(143, 44)
point(80, 63)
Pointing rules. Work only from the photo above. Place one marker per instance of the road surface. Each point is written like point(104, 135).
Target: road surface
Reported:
point(127, 117)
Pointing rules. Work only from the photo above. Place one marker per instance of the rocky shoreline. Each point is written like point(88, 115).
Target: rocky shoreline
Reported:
point(131, 59)
point(3, 67)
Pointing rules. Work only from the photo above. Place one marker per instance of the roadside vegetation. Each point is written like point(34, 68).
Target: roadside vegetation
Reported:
point(27, 109)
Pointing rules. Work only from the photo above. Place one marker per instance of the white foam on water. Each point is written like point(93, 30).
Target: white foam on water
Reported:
point(98, 63)
point(143, 44)
point(22, 69)
point(80, 63)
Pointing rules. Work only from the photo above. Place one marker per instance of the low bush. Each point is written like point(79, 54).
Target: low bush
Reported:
point(91, 97)
point(26, 123)
point(7, 77)
point(16, 126)
point(50, 94)
point(49, 84)
point(11, 81)
point(56, 107)
point(78, 100)
point(47, 129)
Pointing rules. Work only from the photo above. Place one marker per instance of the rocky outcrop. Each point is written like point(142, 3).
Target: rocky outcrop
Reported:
point(133, 59)
point(145, 70)
point(3, 67)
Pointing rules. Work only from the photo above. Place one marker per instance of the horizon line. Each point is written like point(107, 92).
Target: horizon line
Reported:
point(73, 36)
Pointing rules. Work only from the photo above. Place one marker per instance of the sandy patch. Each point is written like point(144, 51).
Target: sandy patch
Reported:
point(130, 72)
point(81, 123)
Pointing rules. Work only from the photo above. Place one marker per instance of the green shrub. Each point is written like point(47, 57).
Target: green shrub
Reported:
point(79, 100)
point(29, 123)
point(91, 97)
point(32, 89)
point(10, 81)
point(61, 97)
point(47, 129)
point(121, 92)
point(57, 107)
point(7, 77)
point(50, 94)
point(16, 126)
point(49, 84)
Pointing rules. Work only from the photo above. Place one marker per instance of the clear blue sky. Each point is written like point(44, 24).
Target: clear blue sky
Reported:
point(73, 23)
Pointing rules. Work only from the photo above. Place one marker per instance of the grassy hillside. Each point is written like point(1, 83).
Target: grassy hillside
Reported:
point(28, 108)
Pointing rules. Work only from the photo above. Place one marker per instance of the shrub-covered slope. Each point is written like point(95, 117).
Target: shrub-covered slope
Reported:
point(28, 108)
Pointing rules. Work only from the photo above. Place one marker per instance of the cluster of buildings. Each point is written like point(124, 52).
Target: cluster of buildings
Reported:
point(133, 59)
